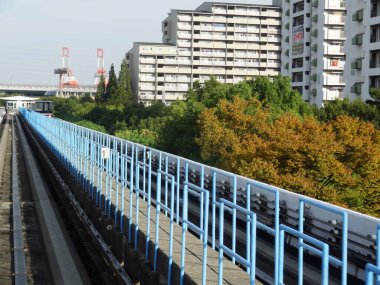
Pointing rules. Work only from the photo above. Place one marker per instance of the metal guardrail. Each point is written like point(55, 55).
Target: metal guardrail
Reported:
point(83, 152)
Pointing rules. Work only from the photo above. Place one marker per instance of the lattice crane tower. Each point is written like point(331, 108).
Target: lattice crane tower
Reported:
point(100, 71)
point(68, 79)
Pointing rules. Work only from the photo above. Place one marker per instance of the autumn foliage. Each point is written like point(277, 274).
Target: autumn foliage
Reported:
point(338, 161)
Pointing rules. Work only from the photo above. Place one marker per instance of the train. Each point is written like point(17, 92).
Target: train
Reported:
point(43, 107)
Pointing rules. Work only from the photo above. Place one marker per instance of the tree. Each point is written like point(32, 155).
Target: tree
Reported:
point(357, 109)
point(144, 137)
point(278, 94)
point(338, 161)
point(91, 125)
point(112, 86)
point(100, 96)
point(210, 93)
point(360, 155)
point(375, 93)
point(124, 84)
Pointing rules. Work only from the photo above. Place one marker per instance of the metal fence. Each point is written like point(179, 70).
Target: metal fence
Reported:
point(105, 166)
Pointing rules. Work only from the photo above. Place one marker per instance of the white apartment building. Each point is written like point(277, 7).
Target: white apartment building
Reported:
point(313, 48)
point(157, 73)
point(233, 42)
point(362, 48)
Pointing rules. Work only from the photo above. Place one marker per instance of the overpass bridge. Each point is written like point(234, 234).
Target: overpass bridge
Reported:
point(49, 90)
point(162, 219)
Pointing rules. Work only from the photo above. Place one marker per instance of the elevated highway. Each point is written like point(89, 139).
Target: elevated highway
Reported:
point(49, 90)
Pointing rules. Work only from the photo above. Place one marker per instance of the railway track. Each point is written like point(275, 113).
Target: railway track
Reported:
point(19, 223)
point(35, 245)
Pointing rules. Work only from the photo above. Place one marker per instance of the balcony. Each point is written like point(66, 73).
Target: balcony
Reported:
point(220, 11)
point(147, 78)
point(358, 16)
point(332, 94)
point(313, 92)
point(314, 3)
point(147, 60)
point(147, 87)
point(335, 4)
point(314, 33)
point(315, 18)
point(333, 49)
point(333, 64)
point(314, 62)
point(184, 18)
point(357, 63)
point(182, 26)
point(287, 39)
point(333, 79)
point(147, 69)
point(314, 47)
point(287, 52)
point(287, 13)
point(286, 65)
point(184, 35)
point(357, 40)
point(335, 34)
point(335, 19)
point(313, 77)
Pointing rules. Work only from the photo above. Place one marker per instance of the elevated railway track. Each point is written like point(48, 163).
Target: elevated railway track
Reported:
point(39, 240)
point(119, 201)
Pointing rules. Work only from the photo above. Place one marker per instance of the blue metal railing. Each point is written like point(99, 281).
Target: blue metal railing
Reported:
point(324, 253)
point(343, 261)
point(108, 168)
point(250, 261)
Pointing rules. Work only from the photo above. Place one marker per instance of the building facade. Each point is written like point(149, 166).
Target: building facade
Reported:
point(313, 48)
point(329, 48)
point(362, 48)
point(233, 42)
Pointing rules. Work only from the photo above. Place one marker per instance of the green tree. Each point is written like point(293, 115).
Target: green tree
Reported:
point(124, 84)
point(357, 109)
point(100, 96)
point(91, 125)
point(112, 86)
point(180, 129)
point(209, 93)
point(279, 96)
point(375, 93)
point(144, 137)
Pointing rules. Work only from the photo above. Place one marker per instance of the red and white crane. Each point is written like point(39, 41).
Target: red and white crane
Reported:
point(100, 71)
point(68, 79)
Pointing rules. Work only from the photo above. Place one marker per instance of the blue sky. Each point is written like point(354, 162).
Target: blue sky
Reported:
point(33, 32)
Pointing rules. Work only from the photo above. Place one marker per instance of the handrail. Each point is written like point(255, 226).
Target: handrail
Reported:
point(172, 183)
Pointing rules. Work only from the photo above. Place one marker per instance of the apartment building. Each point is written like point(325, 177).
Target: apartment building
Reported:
point(313, 48)
point(233, 42)
point(363, 48)
point(157, 73)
